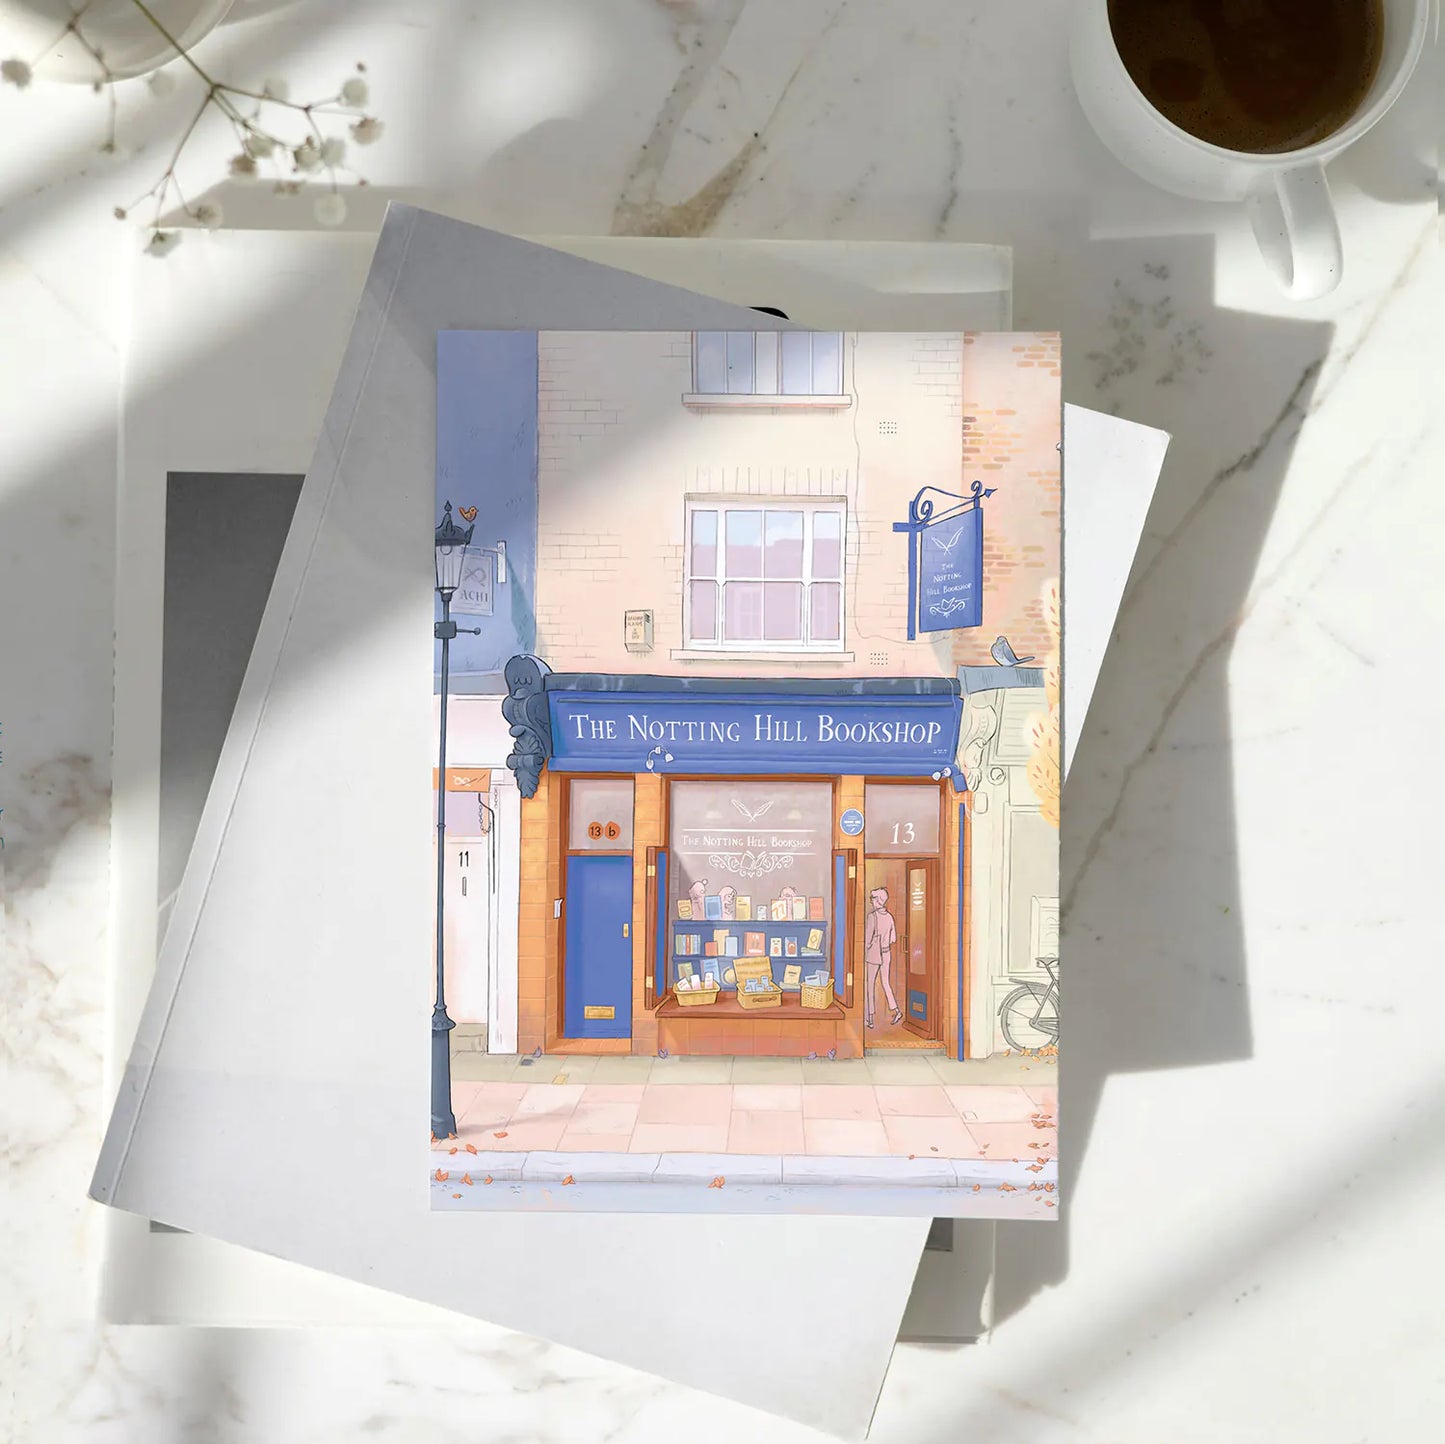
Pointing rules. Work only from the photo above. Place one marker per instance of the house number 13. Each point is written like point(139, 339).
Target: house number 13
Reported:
point(902, 832)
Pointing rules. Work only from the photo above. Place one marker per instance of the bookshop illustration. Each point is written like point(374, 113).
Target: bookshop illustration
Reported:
point(742, 867)
point(746, 693)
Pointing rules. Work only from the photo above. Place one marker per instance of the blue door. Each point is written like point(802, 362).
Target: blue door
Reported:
point(597, 912)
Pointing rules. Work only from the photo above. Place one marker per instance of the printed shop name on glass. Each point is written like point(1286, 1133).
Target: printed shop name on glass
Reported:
point(801, 840)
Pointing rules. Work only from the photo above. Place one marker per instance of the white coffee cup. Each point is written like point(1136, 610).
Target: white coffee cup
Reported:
point(1286, 193)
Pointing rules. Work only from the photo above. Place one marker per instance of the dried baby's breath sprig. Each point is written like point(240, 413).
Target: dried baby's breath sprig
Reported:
point(257, 119)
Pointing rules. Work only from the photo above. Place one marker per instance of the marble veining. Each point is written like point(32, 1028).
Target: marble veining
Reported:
point(1249, 832)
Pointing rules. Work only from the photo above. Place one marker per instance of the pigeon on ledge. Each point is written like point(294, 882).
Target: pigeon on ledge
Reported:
point(1003, 654)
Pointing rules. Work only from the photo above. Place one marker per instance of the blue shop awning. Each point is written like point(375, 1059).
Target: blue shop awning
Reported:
point(608, 722)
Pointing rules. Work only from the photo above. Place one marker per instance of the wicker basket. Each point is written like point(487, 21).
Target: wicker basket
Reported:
point(696, 997)
point(745, 968)
point(817, 995)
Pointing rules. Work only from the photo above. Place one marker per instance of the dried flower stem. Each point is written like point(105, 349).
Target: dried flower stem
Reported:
point(256, 140)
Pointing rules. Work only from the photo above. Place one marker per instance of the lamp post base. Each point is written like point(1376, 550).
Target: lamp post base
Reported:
point(443, 1120)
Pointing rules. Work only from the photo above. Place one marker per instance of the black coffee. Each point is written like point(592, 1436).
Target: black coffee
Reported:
point(1251, 75)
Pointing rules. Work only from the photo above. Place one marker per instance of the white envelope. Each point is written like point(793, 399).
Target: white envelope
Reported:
point(241, 1063)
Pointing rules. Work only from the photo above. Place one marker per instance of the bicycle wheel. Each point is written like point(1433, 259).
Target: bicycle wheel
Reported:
point(1017, 1014)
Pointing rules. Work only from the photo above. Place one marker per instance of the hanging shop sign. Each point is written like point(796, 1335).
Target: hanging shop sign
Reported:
point(945, 561)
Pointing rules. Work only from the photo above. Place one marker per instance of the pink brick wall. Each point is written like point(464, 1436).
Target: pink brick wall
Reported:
point(1011, 430)
point(619, 454)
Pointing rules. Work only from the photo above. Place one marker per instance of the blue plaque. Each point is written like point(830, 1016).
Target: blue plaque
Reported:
point(851, 822)
point(950, 577)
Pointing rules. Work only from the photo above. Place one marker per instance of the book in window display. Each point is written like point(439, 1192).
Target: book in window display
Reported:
point(825, 629)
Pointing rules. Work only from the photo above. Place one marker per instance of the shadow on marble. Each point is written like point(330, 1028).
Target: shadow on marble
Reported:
point(1151, 896)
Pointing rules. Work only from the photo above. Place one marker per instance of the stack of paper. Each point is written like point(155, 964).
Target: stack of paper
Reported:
point(271, 1037)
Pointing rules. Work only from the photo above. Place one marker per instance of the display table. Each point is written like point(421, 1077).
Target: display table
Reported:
point(729, 1007)
point(790, 1030)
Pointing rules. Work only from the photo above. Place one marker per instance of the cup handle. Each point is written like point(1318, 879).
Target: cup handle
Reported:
point(1299, 237)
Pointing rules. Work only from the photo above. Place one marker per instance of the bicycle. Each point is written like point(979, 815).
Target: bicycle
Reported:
point(1029, 1016)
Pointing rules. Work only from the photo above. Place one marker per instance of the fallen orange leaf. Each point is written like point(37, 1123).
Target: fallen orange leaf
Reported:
point(451, 1150)
point(977, 1186)
point(441, 1177)
point(717, 1182)
point(567, 1180)
point(487, 1179)
point(1048, 1188)
point(456, 1195)
point(1048, 1203)
point(1007, 1188)
point(466, 1178)
point(501, 1134)
point(1036, 1168)
point(471, 1148)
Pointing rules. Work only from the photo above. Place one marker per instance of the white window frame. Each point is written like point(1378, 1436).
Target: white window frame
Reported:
point(810, 507)
point(777, 397)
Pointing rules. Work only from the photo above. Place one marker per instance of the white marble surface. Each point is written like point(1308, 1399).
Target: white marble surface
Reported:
point(1253, 1092)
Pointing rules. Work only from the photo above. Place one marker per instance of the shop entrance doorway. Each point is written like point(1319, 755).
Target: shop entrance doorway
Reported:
point(901, 953)
point(597, 992)
point(597, 942)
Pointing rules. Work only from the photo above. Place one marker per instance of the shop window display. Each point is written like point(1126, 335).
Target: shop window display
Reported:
point(750, 881)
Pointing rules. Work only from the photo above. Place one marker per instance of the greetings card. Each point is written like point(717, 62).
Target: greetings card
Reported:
point(747, 612)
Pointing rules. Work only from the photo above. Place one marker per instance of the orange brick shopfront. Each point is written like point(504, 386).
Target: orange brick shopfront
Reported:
point(738, 867)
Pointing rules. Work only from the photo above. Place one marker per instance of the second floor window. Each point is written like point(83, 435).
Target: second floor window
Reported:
point(768, 363)
point(764, 576)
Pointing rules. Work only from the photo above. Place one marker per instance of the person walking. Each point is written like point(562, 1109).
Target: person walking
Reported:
point(880, 933)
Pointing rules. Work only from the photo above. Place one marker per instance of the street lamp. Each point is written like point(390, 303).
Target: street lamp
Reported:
point(451, 549)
